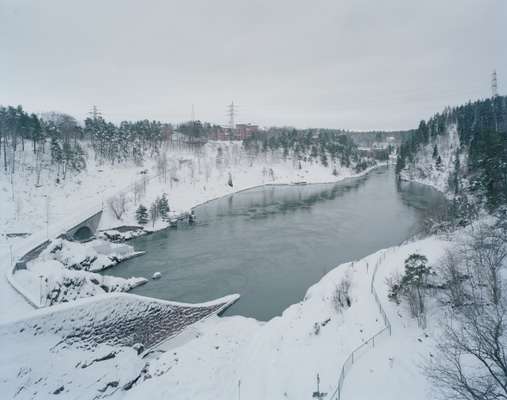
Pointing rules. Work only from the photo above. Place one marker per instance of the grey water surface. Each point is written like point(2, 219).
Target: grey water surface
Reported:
point(271, 244)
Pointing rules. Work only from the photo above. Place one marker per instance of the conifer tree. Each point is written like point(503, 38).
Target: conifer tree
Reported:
point(438, 163)
point(435, 152)
point(163, 206)
point(142, 215)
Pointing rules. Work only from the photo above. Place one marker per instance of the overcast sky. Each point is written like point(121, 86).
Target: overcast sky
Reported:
point(339, 63)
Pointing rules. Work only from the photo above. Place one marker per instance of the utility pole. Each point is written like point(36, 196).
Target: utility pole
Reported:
point(192, 115)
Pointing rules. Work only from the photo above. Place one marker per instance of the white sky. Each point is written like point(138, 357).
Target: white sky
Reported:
point(335, 63)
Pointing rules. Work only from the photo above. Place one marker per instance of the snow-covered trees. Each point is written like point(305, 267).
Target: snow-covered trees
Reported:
point(324, 146)
point(127, 141)
point(61, 130)
point(414, 282)
point(481, 129)
point(142, 215)
point(163, 206)
point(159, 209)
point(471, 362)
point(412, 285)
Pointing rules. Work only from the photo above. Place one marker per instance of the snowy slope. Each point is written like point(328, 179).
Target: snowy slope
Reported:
point(424, 168)
point(218, 357)
point(281, 358)
point(191, 177)
point(89, 349)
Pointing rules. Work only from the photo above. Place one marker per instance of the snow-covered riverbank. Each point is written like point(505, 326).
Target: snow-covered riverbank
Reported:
point(230, 333)
point(194, 183)
point(276, 359)
point(281, 358)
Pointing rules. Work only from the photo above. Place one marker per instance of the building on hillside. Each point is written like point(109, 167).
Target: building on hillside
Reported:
point(219, 133)
point(244, 131)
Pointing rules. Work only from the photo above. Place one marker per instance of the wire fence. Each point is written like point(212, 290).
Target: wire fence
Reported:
point(368, 344)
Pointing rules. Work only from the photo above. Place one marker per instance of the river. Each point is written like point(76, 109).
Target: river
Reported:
point(270, 244)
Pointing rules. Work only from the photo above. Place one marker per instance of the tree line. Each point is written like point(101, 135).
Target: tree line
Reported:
point(325, 146)
point(58, 137)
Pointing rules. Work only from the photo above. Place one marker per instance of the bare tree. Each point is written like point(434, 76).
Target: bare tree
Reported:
point(118, 205)
point(453, 275)
point(471, 362)
point(162, 165)
point(138, 190)
point(154, 212)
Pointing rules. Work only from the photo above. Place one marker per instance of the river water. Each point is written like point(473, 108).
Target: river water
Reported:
point(271, 244)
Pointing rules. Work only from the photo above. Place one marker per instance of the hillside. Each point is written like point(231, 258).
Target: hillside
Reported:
point(51, 166)
point(462, 152)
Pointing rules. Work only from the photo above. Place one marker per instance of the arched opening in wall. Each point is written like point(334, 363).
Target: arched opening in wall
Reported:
point(83, 233)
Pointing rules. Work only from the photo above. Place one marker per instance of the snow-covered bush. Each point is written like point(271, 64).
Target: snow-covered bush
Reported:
point(393, 283)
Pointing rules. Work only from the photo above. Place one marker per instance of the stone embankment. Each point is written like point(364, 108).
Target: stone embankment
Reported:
point(117, 320)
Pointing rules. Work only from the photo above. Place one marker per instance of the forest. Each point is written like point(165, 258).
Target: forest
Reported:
point(482, 132)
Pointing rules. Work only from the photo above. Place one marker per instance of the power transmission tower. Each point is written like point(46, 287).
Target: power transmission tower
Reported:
point(192, 116)
point(95, 112)
point(231, 112)
point(494, 94)
point(494, 85)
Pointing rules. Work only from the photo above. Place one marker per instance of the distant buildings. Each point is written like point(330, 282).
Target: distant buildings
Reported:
point(240, 132)
point(244, 131)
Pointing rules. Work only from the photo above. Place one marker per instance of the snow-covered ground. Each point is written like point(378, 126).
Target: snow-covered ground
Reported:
point(218, 357)
point(65, 271)
point(222, 358)
point(190, 177)
point(92, 349)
